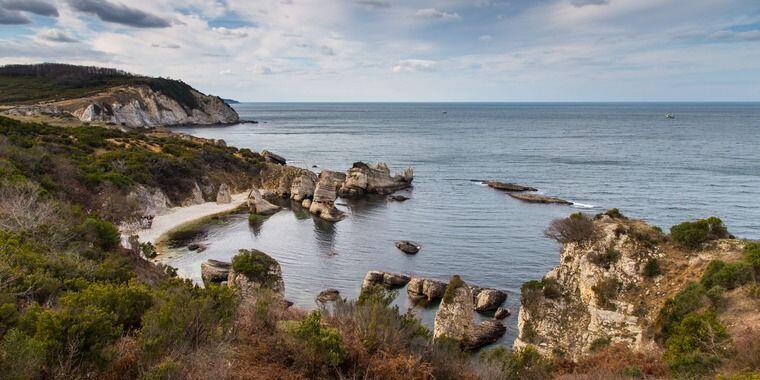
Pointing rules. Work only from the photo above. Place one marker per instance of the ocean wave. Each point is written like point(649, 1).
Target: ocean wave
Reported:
point(582, 205)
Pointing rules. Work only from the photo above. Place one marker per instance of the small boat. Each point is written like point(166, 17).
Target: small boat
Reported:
point(669, 116)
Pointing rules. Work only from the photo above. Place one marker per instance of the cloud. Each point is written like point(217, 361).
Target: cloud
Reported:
point(373, 3)
point(38, 7)
point(326, 50)
point(485, 38)
point(230, 33)
point(12, 18)
point(119, 14)
point(435, 14)
point(410, 65)
point(583, 3)
point(730, 35)
point(225, 72)
point(166, 46)
point(55, 35)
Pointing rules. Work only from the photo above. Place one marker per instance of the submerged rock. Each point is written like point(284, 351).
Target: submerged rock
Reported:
point(408, 247)
point(505, 186)
point(398, 198)
point(258, 205)
point(502, 313)
point(537, 198)
point(455, 318)
point(223, 195)
point(214, 271)
point(374, 179)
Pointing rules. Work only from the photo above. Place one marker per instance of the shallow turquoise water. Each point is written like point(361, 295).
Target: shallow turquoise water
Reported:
point(704, 162)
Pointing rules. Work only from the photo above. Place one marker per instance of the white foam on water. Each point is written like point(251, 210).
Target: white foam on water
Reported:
point(582, 205)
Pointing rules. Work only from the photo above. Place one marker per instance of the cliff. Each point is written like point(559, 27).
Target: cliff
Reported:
point(107, 96)
point(616, 284)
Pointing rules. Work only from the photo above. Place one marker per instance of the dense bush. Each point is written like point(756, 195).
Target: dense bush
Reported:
point(696, 346)
point(257, 266)
point(726, 275)
point(752, 256)
point(690, 299)
point(101, 233)
point(693, 234)
point(324, 343)
point(577, 228)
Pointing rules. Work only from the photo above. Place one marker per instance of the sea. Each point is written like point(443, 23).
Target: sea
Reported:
point(705, 161)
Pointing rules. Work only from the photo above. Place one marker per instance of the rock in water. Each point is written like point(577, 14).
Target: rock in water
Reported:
point(273, 158)
point(374, 179)
point(258, 205)
point(325, 193)
point(214, 271)
point(505, 186)
point(328, 295)
point(408, 247)
point(398, 198)
point(489, 299)
point(501, 313)
point(303, 187)
point(455, 318)
point(536, 198)
point(223, 195)
point(386, 279)
point(426, 287)
point(252, 270)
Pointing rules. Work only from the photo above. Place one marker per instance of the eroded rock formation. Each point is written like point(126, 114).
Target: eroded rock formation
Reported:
point(325, 193)
point(258, 205)
point(374, 179)
point(214, 272)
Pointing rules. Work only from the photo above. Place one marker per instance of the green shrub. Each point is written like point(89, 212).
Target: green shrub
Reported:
point(257, 266)
point(752, 256)
point(377, 294)
point(615, 213)
point(323, 342)
point(148, 250)
point(690, 299)
point(525, 363)
point(577, 228)
point(605, 291)
point(528, 332)
point(696, 346)
point(101, 233)
point(127, 302)
point(21, 356)
point(727, 275)
point(605, 259)
point(652, 268)
point(167, 369)
point(693, 234)
point(454, 284)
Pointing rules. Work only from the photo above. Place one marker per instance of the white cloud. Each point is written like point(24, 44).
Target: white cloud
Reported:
point(435, 14)
point(485, 38)
point(230, 33)
point(55, 35)
point(410, 65)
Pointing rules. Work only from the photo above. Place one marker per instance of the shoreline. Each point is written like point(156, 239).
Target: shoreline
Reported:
point(178, 216)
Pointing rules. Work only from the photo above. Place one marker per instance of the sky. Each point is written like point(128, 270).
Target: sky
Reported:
point(406, 50)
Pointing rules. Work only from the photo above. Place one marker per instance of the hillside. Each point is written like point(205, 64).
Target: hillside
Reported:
point(688, 301)
point(107, 96)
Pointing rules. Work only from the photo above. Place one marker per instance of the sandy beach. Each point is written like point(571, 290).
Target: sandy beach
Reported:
point(178, 216)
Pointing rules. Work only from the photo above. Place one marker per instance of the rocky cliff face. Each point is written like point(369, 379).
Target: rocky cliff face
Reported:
point(600, 294)
point(141, 106)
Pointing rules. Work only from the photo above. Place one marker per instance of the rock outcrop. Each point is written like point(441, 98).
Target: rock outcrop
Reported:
point(385, 279)
point(258, 205)
point(328, 295)
point(325, 193)
point(195, 198)
point(455, 318)
point(223, 194)
point(427, 288)
point(537, 198)
point(583, 299)
point(487, 299)
point(374, 179)
point(273, 158)
point(215, 272)
point(141, 106)
point(151, 201)
point(266, 274)
point(303, 187)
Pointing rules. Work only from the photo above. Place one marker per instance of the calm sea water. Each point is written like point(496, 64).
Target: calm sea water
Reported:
point(704, 162)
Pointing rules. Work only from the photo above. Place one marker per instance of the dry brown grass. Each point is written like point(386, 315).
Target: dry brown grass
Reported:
point(614, 362)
